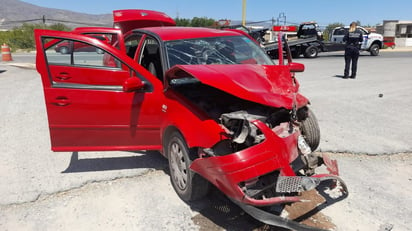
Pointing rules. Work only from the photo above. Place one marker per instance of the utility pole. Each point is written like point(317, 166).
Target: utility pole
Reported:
point(283, 17)
point(244, 13)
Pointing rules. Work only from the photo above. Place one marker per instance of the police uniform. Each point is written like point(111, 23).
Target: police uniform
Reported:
point(353, 42)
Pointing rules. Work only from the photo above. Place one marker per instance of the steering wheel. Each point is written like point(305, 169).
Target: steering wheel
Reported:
point(210, 56)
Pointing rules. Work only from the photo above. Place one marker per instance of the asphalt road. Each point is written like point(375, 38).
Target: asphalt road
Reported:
point(42, 190)
point(352, 115)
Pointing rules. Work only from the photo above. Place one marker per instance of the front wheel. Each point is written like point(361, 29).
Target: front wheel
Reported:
point(187, 184)
point(310, 130)
point(374, 49)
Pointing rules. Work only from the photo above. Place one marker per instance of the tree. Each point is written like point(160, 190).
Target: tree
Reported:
point(60, 27)
point(182, 22)
point(195, 22)
point(202, 22)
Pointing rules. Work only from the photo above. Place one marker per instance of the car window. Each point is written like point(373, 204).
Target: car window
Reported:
point(109, 38)
point(363, 30)
point(339, 31)
point(69, 52)
point(131, 44)
point(216, 50)
point(149, 57)
point(84, 66)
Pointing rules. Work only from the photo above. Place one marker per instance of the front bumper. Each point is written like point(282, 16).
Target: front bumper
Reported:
point(232, 173)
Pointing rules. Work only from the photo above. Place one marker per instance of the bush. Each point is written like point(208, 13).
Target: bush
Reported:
point(195, 22)
point(23, 37)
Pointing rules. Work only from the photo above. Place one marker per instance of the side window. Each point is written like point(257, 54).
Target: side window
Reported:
point(76, 64)
point(109, 38)
point(76, 53)
point(340, 31)
point(149, 57)
point(364, 32)
point(131, 44)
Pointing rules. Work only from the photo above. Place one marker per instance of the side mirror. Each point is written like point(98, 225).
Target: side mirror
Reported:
point(133, 84)
point(296, 67)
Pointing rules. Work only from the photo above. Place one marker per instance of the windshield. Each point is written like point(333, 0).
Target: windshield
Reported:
point(216, 50)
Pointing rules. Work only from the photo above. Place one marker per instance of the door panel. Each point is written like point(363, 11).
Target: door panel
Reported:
point(99, 120)
point(87, 109)
point(87, 75)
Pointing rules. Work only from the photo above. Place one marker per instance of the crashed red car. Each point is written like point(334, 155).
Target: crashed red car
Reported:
point(211, 101)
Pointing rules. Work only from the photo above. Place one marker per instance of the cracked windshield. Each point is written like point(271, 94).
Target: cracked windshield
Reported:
point(216, 50)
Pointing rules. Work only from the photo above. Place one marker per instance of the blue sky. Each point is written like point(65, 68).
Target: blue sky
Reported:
point(368, 12)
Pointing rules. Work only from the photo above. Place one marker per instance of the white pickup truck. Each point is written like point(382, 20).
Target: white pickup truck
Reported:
point(372, 42)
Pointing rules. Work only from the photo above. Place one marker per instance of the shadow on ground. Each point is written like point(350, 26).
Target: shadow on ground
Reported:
point(153, 160)
point(215, 211)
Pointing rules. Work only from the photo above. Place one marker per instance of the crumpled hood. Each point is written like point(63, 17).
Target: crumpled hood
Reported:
point(265, 84)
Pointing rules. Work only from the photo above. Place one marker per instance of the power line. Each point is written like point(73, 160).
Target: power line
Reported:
point(44, 20)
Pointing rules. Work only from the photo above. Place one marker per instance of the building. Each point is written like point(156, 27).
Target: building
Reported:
point(399, 32)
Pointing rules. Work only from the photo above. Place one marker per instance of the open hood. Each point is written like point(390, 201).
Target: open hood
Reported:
point(131, 19)
point(268, 85)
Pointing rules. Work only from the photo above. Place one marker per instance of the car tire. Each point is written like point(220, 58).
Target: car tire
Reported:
point(188, 185)
point(310, 130)
point(374, 49)
point(311, 52)
point(64, 50)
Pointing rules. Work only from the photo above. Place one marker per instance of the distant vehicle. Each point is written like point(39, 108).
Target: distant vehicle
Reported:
point(309, 41)
point(256, 34)
point(389, 42)
point(68, 47)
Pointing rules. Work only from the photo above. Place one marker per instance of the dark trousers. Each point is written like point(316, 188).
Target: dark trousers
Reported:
point(351, 56)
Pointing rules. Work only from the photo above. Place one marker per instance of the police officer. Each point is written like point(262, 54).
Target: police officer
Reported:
point(353, 39)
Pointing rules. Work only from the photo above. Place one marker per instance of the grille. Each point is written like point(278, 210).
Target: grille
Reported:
point(288, 184)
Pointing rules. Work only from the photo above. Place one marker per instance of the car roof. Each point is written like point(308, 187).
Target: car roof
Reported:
point(178, 33)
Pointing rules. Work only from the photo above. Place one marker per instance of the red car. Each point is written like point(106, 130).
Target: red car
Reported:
point(211, 101)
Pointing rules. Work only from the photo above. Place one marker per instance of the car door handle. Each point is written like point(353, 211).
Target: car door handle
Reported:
point(61, 101)
point(63, 76)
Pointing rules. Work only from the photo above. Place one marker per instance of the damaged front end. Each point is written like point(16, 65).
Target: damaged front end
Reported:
point(271, 169)
point(270, 173)
point(264, 162)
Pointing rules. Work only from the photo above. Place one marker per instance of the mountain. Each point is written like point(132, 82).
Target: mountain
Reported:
point(15, 12)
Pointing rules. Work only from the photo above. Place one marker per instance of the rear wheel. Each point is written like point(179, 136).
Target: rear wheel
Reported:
point(374, 49)
point(310, 130)
point(311, 52)
point(187, 184)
